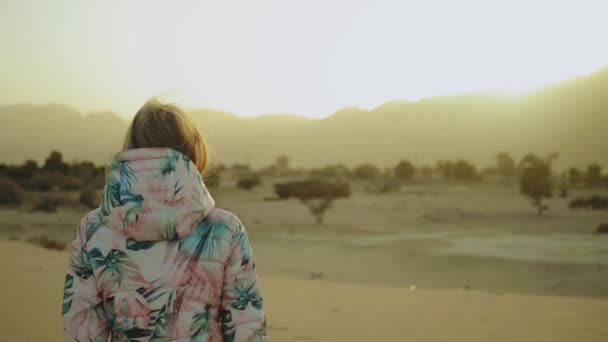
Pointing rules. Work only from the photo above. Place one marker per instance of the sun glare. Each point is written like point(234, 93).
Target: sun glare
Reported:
point(309, 57)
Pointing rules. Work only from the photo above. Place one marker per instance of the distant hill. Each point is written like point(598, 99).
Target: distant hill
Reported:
point(570, 117)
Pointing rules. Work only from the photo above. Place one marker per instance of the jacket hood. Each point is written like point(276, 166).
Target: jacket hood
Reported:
point(154, 194)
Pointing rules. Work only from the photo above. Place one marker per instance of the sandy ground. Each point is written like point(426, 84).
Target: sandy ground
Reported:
point(317, 310)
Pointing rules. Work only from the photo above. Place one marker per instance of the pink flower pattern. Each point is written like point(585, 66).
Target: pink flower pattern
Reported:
point(158, 262)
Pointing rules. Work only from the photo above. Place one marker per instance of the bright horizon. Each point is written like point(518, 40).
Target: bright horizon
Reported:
point(308, 58)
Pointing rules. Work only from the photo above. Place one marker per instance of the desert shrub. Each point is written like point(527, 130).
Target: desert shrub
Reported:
point(282, 164)
point(48, 243)
point(536, 181)
point(505, 166)
point(90, 198)
point(49, 181)
point(405, 170)
point(54, 163)
point(39, 182)
point(48, 204)
point(83, 170)
point(384, 186)
point(315, 194)
point(10, 192)
point(212, 179)
point(574, 177)
point(593, 176)
point(602, 228)
point(330, 172)
point(69, 183)
point(240, 167)
point(594, 202)
point(366, 171)
point(249, 182)
point(465, 171)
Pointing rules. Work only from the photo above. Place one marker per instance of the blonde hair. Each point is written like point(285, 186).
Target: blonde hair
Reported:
point(158, 124)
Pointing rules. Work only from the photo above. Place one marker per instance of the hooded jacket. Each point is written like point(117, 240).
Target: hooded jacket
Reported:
point(157, 262)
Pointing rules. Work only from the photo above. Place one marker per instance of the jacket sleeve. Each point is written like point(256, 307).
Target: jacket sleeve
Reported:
point(242, 310)
point(82, 312)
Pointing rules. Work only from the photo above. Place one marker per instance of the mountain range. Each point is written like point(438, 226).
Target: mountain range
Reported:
point(570, 117)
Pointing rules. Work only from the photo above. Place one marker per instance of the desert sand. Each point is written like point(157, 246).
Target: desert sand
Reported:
point(320, 310)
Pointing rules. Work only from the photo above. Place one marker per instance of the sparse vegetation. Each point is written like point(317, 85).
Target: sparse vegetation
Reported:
point(315, 194)
point(249, 182)
point(595, 202)
point(535, 181)
point(11, 193)
point(404, 170)
point(48, 204)
point(460, 170)
point(366, 171)
point(54, 163)
point(282, 165)
point(89, 197)
point(212, 179)
point(335, 172)
point(593, 176)
point(48, 243)
point(602, 228)
point(505, 166)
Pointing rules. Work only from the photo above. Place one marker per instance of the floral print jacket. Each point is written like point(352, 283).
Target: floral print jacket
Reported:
point(157, 261)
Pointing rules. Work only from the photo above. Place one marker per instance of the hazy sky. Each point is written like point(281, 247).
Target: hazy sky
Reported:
point(308, 57)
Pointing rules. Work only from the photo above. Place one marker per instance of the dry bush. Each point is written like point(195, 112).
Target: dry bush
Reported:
point(10, 192)
point(48, 204)
point(48, 243)
point(249, 182)
point(90, 198)
point(317, 195)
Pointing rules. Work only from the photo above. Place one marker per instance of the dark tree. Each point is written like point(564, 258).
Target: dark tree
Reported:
point(10, 192)
point(282, 164)
point(248, 182)
point(30, 166)
point(505, 165)
point(535, 181)
point(83, 170)
point(54, 163)
point(366, 171)
point(315, 194)
point(465, 171)
point(330, 172)
point(593, 176)
point(575, 177)
point(404, 170)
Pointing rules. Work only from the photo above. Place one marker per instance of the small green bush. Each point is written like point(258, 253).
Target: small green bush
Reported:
point(10, 192)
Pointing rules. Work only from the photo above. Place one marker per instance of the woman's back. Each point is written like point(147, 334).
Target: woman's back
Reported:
point(157, 261)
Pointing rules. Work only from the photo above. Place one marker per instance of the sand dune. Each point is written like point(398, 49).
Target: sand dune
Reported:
point(316, 310)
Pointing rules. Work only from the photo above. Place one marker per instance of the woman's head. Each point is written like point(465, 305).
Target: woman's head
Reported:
point(158, 124)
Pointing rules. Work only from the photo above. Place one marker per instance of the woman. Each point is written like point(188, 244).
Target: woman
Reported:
point(157, 261)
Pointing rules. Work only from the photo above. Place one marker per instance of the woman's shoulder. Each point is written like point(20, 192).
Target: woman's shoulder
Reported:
point(90, 223)
point(227, 218)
